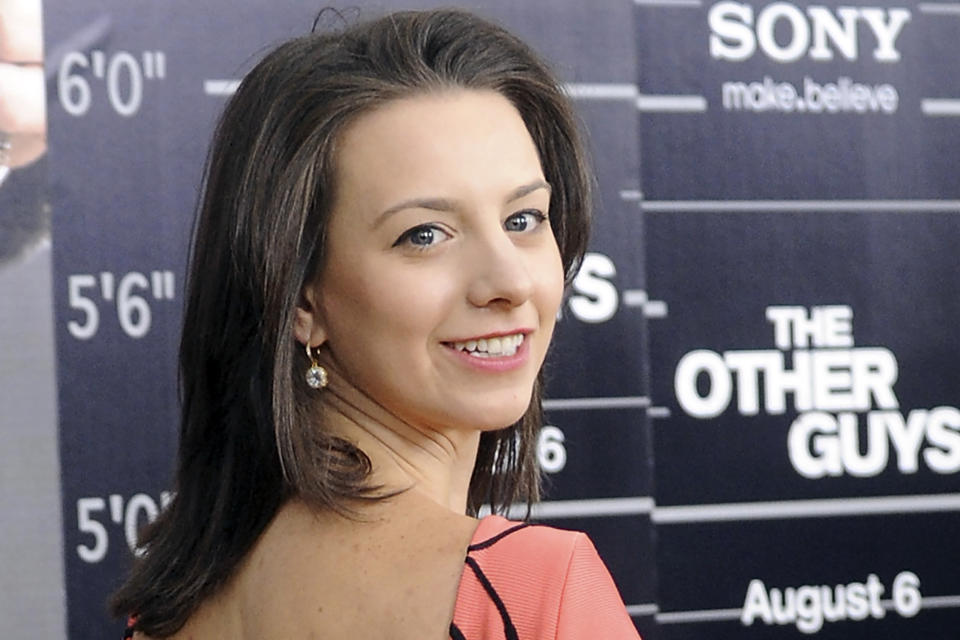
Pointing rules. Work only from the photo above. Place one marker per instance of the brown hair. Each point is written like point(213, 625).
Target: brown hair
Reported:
point(250, 437)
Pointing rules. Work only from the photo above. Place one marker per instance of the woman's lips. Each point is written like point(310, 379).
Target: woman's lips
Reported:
point(497, 353)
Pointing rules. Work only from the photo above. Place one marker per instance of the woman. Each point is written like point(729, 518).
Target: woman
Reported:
point(390, 215)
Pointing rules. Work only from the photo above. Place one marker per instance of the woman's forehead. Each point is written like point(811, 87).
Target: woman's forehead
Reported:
point(442, 145)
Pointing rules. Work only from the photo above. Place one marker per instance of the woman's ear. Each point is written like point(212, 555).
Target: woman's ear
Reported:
point(307, 323)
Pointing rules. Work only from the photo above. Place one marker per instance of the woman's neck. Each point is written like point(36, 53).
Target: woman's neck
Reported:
point(436, 462)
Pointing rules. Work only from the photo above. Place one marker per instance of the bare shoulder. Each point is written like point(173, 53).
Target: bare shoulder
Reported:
point(394, 568)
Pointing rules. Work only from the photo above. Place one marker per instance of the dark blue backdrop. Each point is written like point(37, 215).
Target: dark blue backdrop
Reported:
point(748, 156)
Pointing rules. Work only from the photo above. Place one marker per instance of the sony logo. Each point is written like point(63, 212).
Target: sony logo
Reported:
point(785, 33)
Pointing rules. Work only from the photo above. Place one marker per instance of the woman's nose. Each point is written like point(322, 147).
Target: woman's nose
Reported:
point(499, 274)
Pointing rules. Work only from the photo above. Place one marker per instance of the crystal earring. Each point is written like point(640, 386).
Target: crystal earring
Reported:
point(316, 375)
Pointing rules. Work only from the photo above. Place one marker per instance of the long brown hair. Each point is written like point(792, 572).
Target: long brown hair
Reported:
point(250, 437)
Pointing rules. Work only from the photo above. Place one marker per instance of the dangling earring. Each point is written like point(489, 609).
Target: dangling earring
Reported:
point(316, 375)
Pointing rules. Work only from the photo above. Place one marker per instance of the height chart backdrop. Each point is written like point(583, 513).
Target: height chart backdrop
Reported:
point(800, 196)
point(776, 202)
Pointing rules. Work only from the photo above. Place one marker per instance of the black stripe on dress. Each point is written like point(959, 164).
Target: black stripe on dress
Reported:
point(455, 633)
point(497, 538)
point(509, 631)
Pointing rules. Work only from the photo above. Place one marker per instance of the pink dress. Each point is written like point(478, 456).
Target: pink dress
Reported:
point(530, 582)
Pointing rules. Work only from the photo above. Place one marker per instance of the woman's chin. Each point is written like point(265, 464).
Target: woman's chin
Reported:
point(487, 419)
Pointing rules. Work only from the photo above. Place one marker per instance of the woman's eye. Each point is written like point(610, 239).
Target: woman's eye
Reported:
point(524, 220)
point(422, 237)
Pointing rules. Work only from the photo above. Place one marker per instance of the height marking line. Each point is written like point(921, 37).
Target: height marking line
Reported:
point(601, 90)
point(940, 106)
point(655, 309)
point(651, 308)
point(635, 298)
point(658, 413)
point(577, 90)
point(671, 104)
point(220, 87)
point(786, 509)
point(714, 615)
point(553, 509)
point(588, 508)
point(939, 7)
point(705, 615)
point(639, 610)
point(620, 402)
point(667, 3)
point(717, 206)
point(940, 602)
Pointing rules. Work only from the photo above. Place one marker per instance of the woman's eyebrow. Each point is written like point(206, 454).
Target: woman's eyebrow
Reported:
point(519, 192)
point(435, 204)
point(445, 204)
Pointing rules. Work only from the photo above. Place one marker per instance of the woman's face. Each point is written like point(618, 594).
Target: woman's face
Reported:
point(442, 277)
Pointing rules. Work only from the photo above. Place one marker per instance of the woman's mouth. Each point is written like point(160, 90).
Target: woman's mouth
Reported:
point(499, 347)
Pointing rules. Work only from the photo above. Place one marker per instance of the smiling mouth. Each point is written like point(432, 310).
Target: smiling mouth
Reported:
point(500, 347)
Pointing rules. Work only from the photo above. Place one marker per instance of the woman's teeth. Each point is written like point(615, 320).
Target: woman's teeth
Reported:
point(491, 347)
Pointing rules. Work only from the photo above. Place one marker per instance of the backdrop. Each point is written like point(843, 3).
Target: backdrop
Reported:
point(753, 395)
